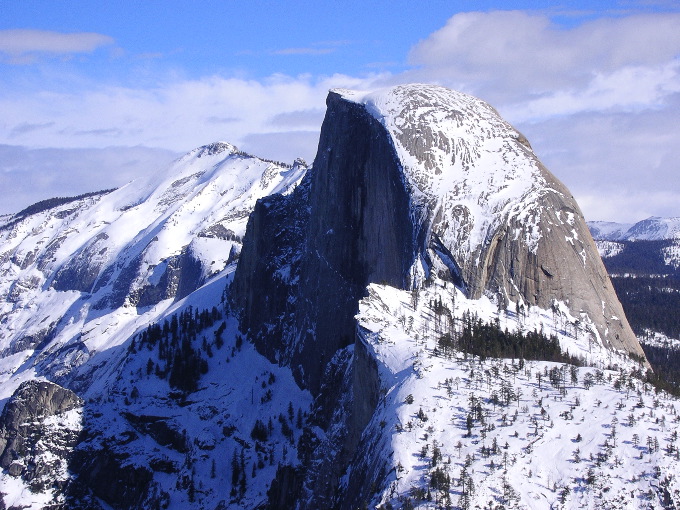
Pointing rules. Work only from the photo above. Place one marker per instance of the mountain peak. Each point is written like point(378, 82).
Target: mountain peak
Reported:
point(414, 183)
point(214, 148)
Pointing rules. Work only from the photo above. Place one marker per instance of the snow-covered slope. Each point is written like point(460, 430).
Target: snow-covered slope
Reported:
point(608, 249)
point(454, 430)
point(145, 442)
point(83, 276)
point(80, 281)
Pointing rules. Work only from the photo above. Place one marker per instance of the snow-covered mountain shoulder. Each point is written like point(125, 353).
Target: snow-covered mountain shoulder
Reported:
point(459, 430)
point(89, 272)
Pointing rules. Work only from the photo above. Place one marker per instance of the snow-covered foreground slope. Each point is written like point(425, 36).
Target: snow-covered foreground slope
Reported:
point(167, 450)
point(460, 431)
point(657, 339)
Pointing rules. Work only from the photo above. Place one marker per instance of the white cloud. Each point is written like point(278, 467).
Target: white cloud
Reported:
point(310, 117)
point(620, 166)
point(272, 118)
point(17, 43)
point(626, 89)
point(179, 115)
point(505, 56)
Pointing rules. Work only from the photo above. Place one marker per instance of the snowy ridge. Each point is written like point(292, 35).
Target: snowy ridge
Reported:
point(463, 432)
point(79, 282)
point(608, 230)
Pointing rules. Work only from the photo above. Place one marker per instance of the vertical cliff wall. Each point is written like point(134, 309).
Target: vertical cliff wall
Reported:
point(308, 257)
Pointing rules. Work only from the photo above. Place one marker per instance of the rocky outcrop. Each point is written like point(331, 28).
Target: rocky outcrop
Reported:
point(564, 267)
point(38, 431)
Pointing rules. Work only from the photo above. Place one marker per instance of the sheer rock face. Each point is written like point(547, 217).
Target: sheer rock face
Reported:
point(409, 181)
point(308, 257)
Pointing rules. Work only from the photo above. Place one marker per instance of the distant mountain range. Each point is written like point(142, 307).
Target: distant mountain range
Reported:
point(643, 260)
point(651, 229)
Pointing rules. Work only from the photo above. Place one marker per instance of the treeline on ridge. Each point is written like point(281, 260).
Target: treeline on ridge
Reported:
point(50, 203)
point(488, 340)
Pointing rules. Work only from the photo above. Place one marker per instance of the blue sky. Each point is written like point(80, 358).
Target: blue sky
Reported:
point(94, 93)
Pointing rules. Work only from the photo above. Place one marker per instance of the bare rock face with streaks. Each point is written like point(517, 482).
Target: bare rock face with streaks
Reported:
point(495, 219)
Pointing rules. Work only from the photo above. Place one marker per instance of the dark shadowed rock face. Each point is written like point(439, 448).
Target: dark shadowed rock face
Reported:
point(308, 257)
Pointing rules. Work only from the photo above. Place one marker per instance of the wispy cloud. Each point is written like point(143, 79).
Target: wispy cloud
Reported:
point(20, 45)
point(103, 132)
point(214, 119)
point(30, 175)
point(25, 127)
point(311, 117)
point(176, 115)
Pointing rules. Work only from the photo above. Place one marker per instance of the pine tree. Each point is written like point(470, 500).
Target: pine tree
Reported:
point(242, 472)
point(235, 474)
